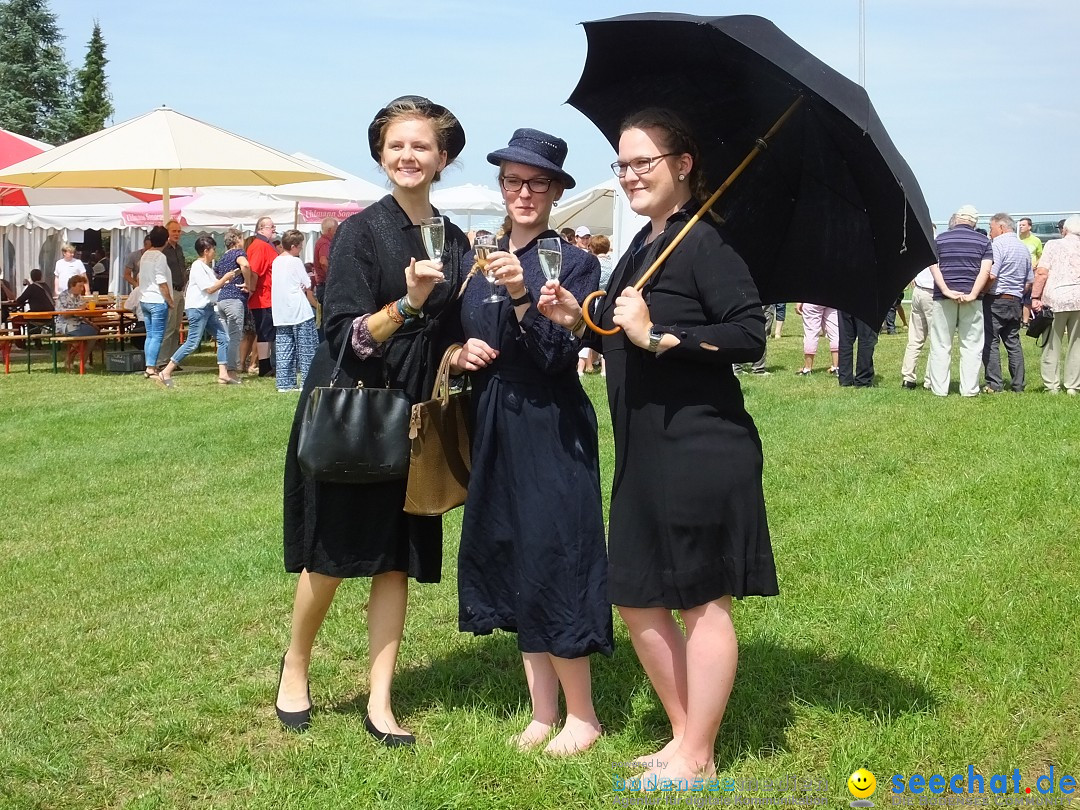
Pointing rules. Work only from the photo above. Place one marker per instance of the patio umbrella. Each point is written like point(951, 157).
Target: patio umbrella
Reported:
point(822, 206)
point(160, 150)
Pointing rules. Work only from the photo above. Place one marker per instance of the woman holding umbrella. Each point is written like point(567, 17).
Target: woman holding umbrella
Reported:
point(385, 308)
point(687, 525)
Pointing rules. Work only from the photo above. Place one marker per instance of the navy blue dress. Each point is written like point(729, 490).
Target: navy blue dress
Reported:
point(532, 557)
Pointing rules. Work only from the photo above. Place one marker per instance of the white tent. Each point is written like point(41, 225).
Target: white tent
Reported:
point(593, 207)
point(241, 206)
point(468, 201)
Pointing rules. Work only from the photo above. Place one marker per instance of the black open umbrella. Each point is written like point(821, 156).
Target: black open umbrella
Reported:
point(826, 210)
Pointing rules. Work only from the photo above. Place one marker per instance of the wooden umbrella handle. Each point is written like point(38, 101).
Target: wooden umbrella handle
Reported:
point(588, 319)
point(759, 146)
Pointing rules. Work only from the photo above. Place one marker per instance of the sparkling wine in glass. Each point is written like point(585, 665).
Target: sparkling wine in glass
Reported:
point(484, 245)
point(549, 252)
point(433, 232)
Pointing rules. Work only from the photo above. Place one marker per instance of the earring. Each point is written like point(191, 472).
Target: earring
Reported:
point(682, 177)
point(555, 204)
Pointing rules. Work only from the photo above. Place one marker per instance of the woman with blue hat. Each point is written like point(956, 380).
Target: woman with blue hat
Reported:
point(386, 310)
point(532, 557)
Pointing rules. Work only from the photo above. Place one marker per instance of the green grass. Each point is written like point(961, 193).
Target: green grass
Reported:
point(928, 615)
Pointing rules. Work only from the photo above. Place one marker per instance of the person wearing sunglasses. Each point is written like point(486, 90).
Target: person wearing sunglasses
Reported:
point(532, 557)
point(687, 529)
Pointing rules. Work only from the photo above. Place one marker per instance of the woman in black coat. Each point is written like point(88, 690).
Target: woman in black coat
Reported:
point(687, 526)
point(391, 308)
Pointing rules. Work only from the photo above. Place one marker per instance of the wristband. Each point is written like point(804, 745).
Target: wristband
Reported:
point(407, 309)
point(525, 299)
point(580, 323)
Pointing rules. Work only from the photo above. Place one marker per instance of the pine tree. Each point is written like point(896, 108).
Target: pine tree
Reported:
point(34, 95)
point(90, 94)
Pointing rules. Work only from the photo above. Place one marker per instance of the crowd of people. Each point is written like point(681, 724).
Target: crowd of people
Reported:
point(235, 297)
point(986, 287)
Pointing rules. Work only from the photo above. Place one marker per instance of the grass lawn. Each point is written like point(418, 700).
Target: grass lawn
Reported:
point(928, 614)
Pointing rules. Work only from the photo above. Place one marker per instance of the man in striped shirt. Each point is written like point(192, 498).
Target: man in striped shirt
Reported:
point(1009, 281)
point(964, 259)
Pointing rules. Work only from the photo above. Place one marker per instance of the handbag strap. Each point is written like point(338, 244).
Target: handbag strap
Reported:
point(340, 357)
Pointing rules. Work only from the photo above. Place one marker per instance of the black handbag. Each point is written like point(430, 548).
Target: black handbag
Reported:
point(1040, 323)
point(354, 435)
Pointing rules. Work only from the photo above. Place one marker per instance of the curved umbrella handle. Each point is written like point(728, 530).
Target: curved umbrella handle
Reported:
point(760, 145)
point(588, 319)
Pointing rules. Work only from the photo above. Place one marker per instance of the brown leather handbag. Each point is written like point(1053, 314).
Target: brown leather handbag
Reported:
point(440, 457)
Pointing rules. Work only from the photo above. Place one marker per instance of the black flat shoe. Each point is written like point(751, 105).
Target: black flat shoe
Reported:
point(293, 721)
point(387, 739)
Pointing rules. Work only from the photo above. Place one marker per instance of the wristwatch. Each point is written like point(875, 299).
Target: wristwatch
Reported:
point(655, 336)
point(524, 299)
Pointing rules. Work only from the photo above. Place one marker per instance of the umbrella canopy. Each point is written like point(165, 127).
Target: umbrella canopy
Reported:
point(829, 212)
point(159, 150)
point(15, 148)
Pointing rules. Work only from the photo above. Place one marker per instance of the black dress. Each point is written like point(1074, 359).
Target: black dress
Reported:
point(532, 555)
point(349, 530)
point(687, 522)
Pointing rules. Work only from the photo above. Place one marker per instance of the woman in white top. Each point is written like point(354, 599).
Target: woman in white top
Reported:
point(155, 296)
point(66, 268)
point(201, 297)
point(293, 310)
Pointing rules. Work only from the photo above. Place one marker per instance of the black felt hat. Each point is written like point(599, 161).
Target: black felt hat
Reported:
point(531, 147)
point(455, 143)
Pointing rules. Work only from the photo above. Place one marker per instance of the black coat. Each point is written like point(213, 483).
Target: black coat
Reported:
point(687, 520)
point(348, 530)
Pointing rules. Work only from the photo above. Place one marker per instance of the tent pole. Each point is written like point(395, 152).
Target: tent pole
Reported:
point(166, 212)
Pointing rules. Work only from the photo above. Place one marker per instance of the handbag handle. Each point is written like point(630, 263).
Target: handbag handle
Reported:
point(340, 357)
point(441, 389)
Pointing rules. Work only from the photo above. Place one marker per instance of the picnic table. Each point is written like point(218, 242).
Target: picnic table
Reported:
point(110, 318)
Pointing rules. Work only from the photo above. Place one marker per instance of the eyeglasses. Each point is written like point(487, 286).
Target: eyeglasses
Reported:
point(538, 185)
point(639, 165)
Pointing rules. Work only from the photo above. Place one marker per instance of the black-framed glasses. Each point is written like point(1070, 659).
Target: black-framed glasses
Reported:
point(640, 165)
point(538, 185)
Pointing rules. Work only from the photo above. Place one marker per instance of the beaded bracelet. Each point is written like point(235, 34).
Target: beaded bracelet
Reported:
point(394, 313)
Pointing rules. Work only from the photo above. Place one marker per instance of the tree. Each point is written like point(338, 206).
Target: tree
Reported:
point(34, 96)
point(90, 94)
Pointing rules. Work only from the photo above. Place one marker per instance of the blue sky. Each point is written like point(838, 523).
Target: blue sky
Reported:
point(980, 97)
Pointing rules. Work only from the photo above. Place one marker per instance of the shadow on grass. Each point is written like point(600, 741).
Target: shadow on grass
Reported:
point(487, 677)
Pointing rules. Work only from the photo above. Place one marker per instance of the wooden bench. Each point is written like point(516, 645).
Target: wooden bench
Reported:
point(76, 345)
point(7, 340)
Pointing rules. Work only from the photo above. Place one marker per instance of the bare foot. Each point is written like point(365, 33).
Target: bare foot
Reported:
point(659, 758)
point(534, 734)
point(679, 771)
point(385, 722)
point(292, 693)
point(576, 735)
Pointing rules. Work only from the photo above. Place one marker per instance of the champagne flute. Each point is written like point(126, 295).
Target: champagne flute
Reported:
point(549, 251)
point(484, 245)
point(433, 232)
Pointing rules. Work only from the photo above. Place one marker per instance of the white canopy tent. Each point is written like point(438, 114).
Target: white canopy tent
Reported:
point(592, 207)
point(468, 201)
